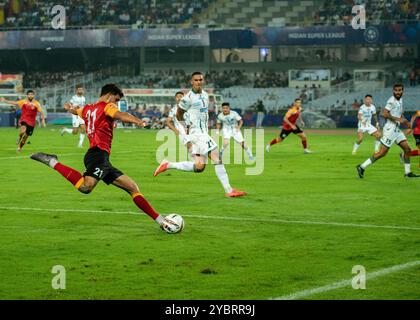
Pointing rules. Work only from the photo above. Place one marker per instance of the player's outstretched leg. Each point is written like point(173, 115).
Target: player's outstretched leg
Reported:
point(51, 160)
point(407, 165)
point(273, 142)
point(222, 149)
point(247, 150)
point(182, 166)
point(124, 182)
point(66, 130)
point(362, 167)
point(222, 175)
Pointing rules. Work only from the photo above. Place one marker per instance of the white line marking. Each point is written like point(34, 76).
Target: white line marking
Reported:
point(345, 283)
point(61, 154)
point(247, 219)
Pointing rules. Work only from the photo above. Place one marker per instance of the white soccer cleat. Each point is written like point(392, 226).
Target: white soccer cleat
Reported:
point(354, 152)
point(307, 151)
point(267, 148)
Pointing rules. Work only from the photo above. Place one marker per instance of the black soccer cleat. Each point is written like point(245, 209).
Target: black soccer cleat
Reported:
point(43, 157)
point(412, 175)
point(360, 171)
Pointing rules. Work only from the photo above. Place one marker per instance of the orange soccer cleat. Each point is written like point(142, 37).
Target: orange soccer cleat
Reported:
point(162, 168)
point(235, 193)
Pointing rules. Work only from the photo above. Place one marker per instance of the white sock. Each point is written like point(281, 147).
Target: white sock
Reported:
point(366, 164)
point(249, 152)
point(159, 220)
point(407, 165)
point(377, 145)
point(183, 166)
point(223, 177)
point(67, 130)
point(356, 146)
point(53, 162)
point(81, 138)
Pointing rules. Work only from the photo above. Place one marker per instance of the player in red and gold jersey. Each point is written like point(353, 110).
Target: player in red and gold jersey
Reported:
point(289, 126)
point(99, 119)
point(415, 129)
point(30, 107)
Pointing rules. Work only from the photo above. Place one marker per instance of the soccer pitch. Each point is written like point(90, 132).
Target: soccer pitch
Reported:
point(306, 222)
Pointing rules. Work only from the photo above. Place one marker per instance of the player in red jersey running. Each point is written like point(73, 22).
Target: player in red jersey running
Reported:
point(30, 107)
point(289, 126)
point(99, 118)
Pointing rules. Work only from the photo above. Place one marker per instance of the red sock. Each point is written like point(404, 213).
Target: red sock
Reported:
point(304, 144)
point(274, 141)
point(414, 153)
point(70, 174)
point(144, 205)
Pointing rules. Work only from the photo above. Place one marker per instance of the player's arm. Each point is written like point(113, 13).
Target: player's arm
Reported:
point(126, 117)
point(42, 115)
point(14, 103)
point(376, 120)
point(72, 109)
point(286, 120)
point(170, 124)
point(412, 123)
point(240, 124)
point(387, 115)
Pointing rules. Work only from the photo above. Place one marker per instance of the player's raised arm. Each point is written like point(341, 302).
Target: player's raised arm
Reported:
point(14, 103)
point(126, 117)
point(170, 124)
point(72, 109)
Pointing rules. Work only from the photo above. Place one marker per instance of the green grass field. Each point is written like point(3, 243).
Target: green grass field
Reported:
point(308, 219)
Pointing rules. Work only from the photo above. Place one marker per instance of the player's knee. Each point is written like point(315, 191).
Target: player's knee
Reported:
point(199, 167)
point(85, 189)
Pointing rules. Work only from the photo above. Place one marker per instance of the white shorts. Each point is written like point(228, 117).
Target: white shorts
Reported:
point(369, 128)
point(202, 144)
point(392, 134)
point(184, 138)
point(235, 134)
point(77, 121)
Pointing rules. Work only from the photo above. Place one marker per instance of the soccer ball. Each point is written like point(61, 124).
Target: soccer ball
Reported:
point(176, 223)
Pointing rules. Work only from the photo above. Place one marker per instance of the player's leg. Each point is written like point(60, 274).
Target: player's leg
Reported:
point(238, 138)
point(22, 132)
point(303, 139)
point(375, 157)
point(358, 141)
point(84, 184)
point(407, 153)
point(225, 144)
point(127, 184)
point(377, 134)
point(27, 131)
point(222, 175)
point(283, 134)
point(82, 135)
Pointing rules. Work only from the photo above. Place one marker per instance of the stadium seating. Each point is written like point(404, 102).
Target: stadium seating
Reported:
point(31, 14)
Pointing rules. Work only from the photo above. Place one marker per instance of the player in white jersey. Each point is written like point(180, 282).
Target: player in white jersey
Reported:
point(196, 104)
point(232, 123)
point(366, 111)
point(77, 100)
point(173, 123)
point(393, 113)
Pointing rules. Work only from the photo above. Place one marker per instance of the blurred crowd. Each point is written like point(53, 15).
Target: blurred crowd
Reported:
point(46, 79)
point(339, 12)
point(31, 13)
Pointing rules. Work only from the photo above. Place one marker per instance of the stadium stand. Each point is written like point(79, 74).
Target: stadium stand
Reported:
point(36, 14)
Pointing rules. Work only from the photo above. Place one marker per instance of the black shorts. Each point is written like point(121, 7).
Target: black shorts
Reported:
point(284, 133)
point(29, 129)
point(417, 138)
point(98, 166)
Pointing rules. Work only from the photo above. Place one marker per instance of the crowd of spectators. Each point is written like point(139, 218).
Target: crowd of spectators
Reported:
point(34, 14)
point(47, 79)
point(339, 12)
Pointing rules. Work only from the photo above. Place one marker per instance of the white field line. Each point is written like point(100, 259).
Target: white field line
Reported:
point(62, 154)
point(348, 283)
point(239, 219)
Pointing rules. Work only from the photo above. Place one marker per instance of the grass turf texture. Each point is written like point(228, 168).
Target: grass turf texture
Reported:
point(110, 253)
